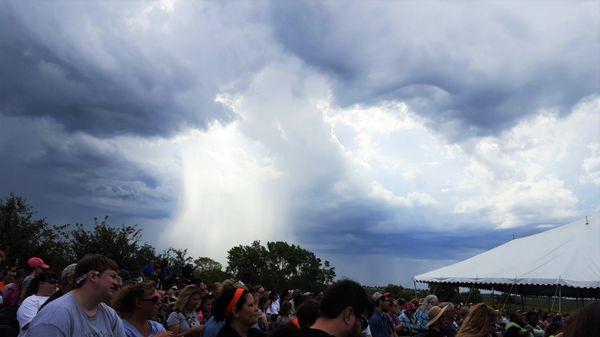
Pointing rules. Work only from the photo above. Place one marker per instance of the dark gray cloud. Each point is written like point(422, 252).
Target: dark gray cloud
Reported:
point(92, 67)
point(471, 69)
point(73, 178)
point(347, 228)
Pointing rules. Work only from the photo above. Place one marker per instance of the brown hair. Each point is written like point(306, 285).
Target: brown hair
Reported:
point(89, 262)
point(185, 297)
point(124, 302)
point(586, 322)
point(478, 322)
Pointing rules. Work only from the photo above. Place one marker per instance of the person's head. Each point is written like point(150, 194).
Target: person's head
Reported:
point(260, 291)
point(97, 275)
point(257, 292)
point(394, 308)
point(263, 303)
point(449, 316)
point(190, 298)
point(480, 321)
point(285, 308)
point(347, 304)
point(307, 313)
point(207, 304)
point(429, 301)
point(381, 301)
point(532, 318)
point(9, 276)
point(274, 295)
point(435, 315)
point(43, 284)
point(554, 328)
point(586, 323)
point(409, 308)
point(236, 305)
point(36, 265)
point(67, 278)
point(140, 298)
point(515, 317)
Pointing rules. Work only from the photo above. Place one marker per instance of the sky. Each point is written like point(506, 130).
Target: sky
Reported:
point(388, 137)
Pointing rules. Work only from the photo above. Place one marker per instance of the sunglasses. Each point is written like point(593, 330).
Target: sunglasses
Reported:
point(364, 323)
point(154, 299)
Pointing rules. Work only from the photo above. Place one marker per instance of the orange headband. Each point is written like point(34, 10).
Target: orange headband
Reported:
point(234, 301)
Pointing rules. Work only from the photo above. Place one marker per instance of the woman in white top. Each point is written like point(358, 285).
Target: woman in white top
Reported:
point(38, 291)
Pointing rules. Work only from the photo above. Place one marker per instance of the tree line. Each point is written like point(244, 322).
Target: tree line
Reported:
point(276, 265)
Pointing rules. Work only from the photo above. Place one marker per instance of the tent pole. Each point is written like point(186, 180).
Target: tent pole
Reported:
point(559, 299)
point(469, 296)
point(522, 304)
point(555, 293)
point(507, 296)
point(493, 298)
point(434, 289)
point(415, 284)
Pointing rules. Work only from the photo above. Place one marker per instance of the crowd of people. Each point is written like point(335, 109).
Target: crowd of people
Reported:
point(94, 298)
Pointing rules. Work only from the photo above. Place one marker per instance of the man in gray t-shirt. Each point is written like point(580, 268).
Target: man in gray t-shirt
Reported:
point(81, 312)
point(65, 318)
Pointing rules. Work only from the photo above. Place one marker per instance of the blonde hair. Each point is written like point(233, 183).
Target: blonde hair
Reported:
point(478, 322)
point(185, 296)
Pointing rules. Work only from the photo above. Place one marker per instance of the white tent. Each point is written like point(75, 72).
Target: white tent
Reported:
point(566, 258)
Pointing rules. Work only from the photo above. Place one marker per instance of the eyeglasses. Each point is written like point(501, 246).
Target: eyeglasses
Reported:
point(154, 299)
point(364, 323)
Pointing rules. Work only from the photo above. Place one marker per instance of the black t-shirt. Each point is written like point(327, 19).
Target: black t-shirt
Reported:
point(313, 333)
point(227, 331)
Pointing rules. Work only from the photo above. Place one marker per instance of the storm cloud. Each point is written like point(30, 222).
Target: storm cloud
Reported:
point(364, 131)
point(473, 69)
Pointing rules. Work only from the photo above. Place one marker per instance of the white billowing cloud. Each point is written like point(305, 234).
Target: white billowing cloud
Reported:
point(525, 175)
point(591, 165)
point(413, 198)
point(529, 174)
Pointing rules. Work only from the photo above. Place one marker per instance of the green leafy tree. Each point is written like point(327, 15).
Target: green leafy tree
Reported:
point(122, 244)
point(22, 236)
point(395, 290)
point(209, 270)
point(444, 292)
point(279, 265)
point(178, 261)
point(249, 264)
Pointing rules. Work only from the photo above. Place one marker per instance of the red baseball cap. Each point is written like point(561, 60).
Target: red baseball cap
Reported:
point(409, 306)
point(35, 262)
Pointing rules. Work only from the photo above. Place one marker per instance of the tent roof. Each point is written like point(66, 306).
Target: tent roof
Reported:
point(568, 255)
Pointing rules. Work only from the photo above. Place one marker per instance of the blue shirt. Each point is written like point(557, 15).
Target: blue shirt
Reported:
point(406, 321)
point(212, 327)
point(131, 331)
point(380, 325)
point(421, 318)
